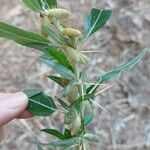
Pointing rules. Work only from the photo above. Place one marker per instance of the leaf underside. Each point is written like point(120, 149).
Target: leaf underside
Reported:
point(115, 72)
point(66, 143)
point(62, 70)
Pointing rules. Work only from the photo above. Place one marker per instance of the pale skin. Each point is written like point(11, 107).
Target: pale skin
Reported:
point(13, 105)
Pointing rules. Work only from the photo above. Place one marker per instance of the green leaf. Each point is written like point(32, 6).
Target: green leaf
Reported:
point(92, 137)
point(70, 88)
point(54, 133)
point(39, 103)
point(96, 20)
point(66, 73)
point(34, 5)
point(85, 97)
point(64, 104)
point(88, 112)
point(67, 142)
point(40, 5)
point(58, 80)
point(67, 134)
point(71, 116)
point(52, 34)
point(87, 119)
point(59, 57)
point(51, 3)
point(86, 107)
point(115, 72)
point(33, 92)
point(26, 38)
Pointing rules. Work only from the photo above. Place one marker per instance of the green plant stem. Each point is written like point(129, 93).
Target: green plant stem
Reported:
point(81, 94)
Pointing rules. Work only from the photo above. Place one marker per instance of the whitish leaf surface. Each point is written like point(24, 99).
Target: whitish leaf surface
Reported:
point(67, 142)
point(115, 72)
point(52, 34)
point(63, 71)
point(92, 137)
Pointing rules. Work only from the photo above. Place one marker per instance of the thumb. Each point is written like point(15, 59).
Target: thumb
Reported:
point(11, 106)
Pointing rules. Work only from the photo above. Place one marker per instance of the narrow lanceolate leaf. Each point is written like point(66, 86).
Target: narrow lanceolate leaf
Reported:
point(59, 57)
point(58, 80)
point(96, 20)
point(63, 71)
point(67, 142)
point(111, 74)
point(52, 34)
point(67, 134)
point(51, 3)
point(26, 38)
point(64, 104)
point(34, 5)
point(92, 137)
point(55, 133)
point(39, 103)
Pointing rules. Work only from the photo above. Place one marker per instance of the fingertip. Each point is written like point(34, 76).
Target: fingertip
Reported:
point(12, 106)
point(25, 115)
point(22, 96)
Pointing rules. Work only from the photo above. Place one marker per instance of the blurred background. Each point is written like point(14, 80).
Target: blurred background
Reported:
point(125, 35)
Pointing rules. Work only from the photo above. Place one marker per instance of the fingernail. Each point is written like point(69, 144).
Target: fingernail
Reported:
point(15, 101)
